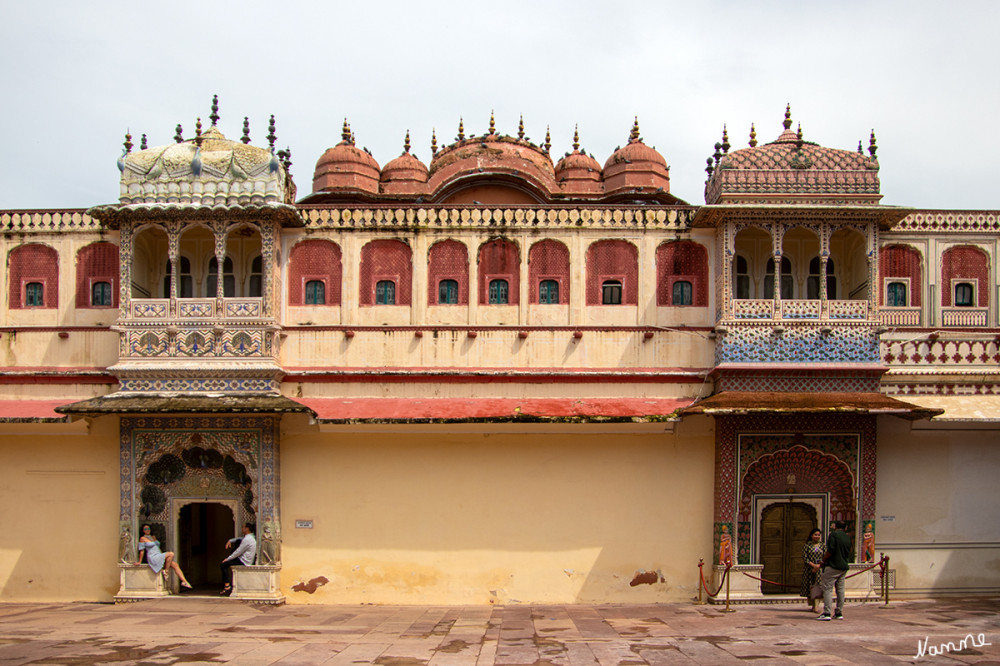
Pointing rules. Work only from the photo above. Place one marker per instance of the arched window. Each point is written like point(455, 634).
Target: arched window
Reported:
point(314, 260)
point(255, 286)
point(185, 287)
point(33, 277)
point(741, 277)
point(965, 295)
point(787, 284)
point(611, 292)
point(498, 292)
point(315, 292)
point(682, 293)
point(896, 295)
point(385, 292)
point(228, 279)
point(34, 295)
point(548, 292)
point(448, 292)
point(100, 294)
point(812, 282)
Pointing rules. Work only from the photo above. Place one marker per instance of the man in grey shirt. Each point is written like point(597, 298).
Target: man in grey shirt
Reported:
point(245, 553)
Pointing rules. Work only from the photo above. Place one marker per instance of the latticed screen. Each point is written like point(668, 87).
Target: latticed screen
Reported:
point(96, 264)
point(385, 261)
point(39, 264)
point(964, 262)
point(612, 261)
point(448, 273)
point(314, 261)
point(901, 261)
point(499, 259)
point(682, 259)
point(548, 272)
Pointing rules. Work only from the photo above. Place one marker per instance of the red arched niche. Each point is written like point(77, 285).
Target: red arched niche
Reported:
point(814, 471)
point(29, 263)
point(499, 259)
point(965, 262)
point(548, 260)
point(448, 260)
point(314, 259)
point(613, 260)
point(901, 261)
point(97, 262)
point(682, 260)
point(386, 260)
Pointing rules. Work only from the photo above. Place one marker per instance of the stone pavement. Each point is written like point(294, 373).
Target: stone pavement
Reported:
point(202, 630)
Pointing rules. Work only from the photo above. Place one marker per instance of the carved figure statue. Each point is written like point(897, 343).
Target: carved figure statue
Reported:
point(868, 544)
point(125, 548)
point(270, 545)
point(725, 546)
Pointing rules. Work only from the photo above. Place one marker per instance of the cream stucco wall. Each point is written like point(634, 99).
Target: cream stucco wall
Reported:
point(58, 511)
point(544, 514)
point(937, 506)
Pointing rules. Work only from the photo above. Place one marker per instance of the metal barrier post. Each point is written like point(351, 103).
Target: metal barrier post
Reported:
point(701, 577)
point(885, 577)
point(727, 608)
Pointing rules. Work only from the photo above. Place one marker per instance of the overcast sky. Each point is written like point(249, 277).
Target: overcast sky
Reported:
point(923, 75)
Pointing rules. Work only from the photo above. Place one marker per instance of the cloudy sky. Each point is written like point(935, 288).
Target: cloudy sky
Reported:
point(923, 75)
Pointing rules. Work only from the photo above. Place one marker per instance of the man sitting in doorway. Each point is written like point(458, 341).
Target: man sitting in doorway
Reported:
point(245, 552)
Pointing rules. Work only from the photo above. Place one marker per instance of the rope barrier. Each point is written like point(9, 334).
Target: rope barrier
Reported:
point(701, 574)
point(876, 564)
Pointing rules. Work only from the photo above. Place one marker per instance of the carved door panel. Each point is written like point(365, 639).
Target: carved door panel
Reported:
point(784, 528)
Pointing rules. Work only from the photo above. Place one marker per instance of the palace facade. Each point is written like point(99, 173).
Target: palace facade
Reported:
point(498, 377)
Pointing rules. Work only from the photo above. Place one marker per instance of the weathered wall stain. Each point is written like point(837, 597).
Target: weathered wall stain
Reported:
point(311, 586)
point(646, 578)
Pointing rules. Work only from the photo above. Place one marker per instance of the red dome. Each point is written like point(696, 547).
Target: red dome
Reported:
point(345, 167)
point(636, 166)
point(578, 172)
point(405, 174)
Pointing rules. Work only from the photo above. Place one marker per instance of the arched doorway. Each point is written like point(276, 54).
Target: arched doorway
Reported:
point(202, 531)
point(784, 527)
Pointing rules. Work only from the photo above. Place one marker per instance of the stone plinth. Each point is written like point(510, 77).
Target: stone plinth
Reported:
point(259, 583)
point(138, 581)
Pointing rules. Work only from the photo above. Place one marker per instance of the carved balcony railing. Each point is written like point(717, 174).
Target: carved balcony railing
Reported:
point(848, 309)
point(889, 316)
point(147, 309)
point(799, 309)
point(963, 316)
point(970, 351)
point(747, 308)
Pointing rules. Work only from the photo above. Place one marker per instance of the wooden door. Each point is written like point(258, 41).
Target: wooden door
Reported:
point(784, 527)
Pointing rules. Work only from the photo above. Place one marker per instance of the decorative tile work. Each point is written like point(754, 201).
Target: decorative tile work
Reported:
point(758, 308)
point(191, 308)
point(199, 384)
point(800, 309)
point(149, 308)
point(790, 382)
point(747, 343)
point(930, 221)
point(848, 309)
point(244, 308)
point(976, 387)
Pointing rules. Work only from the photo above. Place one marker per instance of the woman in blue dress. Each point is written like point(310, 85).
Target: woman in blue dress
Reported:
point(149, 547)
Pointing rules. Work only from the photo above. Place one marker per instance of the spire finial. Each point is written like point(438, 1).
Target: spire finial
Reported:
point(753, 136)
point(520, 127)
point(434, 142)
point(285, 156)
point(142, 143)
point(345, 133)
point(461, 129)
point(709, 168)
point(493, 125)
point(788, 117)
point(197, 132)
point(871, 145)
point(725, 140)
point(271, 137)
point(406, 142)
point(548, 140)
point(718, 153)
point(353, 140)
point(798, 137)
point(215, 111)
point(860, 149)
point(179, 133)
point(634, 134)
point(576, 137)
point(246, 130)
point(128, 142)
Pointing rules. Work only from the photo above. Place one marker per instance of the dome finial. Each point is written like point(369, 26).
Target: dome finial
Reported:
point(871, 145)
point(434, 142)
point(179, 133)
point(634, 134)
point(860, 149)
point(725, 140)
point(461, 129)
point(493, 125)
point(798, 137)
point(215, 111)
point(576, 138)
point(197, 132)
point(548, 140)
point(717, 154)
point(142, 143)
point(788, 117)
point(128, 142)
point(406, 142)
point(271, 136)
point(246, 130)
point(709, 169)
point(345, 133)
point(753, 136)
point(520, 127)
